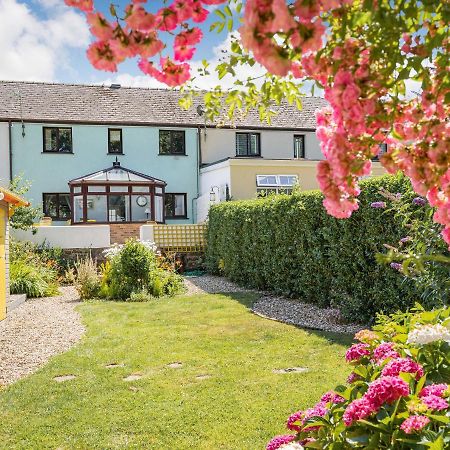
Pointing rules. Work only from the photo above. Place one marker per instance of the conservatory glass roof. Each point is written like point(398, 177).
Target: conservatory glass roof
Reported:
point(116, 174)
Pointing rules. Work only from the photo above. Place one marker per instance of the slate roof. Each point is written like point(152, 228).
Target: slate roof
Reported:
point(75, 103)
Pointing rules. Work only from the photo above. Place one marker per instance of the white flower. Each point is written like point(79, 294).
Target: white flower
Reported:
point(112, 251)
point(425, 334)
point(150, 245)
point(291, 446)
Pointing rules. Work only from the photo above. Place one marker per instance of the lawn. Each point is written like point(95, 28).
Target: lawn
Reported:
point(240, 406)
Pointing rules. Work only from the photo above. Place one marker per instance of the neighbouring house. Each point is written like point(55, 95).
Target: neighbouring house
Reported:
point(8, 201)
point(116, 156)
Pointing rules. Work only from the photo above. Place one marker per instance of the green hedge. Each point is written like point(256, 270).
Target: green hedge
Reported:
point(290, 245)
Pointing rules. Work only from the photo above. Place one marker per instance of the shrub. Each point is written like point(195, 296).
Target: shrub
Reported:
point(140, 296)
point(134, 269)
point(397, 395)
point(32, 279)
point(87, 281)
point(291, 245)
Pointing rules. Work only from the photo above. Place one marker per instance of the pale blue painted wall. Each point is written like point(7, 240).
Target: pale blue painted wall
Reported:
point(51, 172)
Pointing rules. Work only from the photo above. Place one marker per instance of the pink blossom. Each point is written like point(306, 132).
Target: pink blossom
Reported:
point(385, 350)
point(101, 56)
point(140, 20)
point(294, 421)
point(166, 19)
point(353, 377)
point(358, 409)
point(387, 389)
point(414, 423)
point(99, 26)
point(278, 441)
point(434, 389)
point(84, 5)
point(357, 351)
point(199, 14)
point(402, 365)
point(332, 397)
point(183, 53)
point(435, 402)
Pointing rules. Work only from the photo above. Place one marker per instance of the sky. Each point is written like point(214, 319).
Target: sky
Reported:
point(44, 40)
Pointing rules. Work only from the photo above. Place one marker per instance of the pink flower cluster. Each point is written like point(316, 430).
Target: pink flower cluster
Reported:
point(384, 351)
point(278, 441)
point(435, 402)
point(296, 421)
point(140, 37)
point(414, 423)
point(402, 365)
point(434, 389)
point(357, 351)
point(386, 389)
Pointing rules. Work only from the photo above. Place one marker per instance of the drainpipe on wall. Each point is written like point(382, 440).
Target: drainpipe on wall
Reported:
point(199, 161)
point(10, 150)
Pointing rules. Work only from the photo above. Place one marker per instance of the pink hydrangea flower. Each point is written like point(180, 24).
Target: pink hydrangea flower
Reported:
point(294, 421)
point(435, 402)
point(387, 389)
point(414, 423)
point(358, 409)
point(405, 365)
point(357, 351)
point(319, 410)
point(278, 441)
point(383, 351)
point(434, 389)
point(331, 396)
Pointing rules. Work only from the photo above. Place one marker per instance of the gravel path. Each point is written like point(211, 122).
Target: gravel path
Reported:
point(270, 306)
point(36, 331)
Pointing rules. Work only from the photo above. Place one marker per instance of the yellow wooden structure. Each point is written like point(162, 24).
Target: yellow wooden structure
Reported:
point(8, 201)
point(180, 238)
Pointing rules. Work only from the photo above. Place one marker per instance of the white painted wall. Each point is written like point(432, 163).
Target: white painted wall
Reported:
point(4, 155)
point(73, 236)
point(221, 143)
point(216, 175)
point(146, 233)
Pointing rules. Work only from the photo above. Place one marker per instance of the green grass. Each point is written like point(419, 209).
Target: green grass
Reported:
point(240, 407)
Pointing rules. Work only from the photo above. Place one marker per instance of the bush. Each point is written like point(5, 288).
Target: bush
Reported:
point(291, 245)
point(140, 296)
point(87, 280)
point(34, 280)
point(397, 396)
point(134, 269)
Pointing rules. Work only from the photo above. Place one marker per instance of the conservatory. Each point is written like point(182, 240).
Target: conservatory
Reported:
point(116, 195)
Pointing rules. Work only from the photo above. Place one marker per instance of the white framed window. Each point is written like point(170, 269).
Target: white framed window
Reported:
point(275, 184)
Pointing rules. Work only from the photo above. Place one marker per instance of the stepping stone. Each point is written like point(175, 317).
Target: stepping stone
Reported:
point(291, 370)
point(114, 365)
point(62, 378)
point(175, 365)
point(132, 377)
point(203, 377)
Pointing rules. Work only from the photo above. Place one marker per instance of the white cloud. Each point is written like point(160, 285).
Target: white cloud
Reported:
point(35, 49)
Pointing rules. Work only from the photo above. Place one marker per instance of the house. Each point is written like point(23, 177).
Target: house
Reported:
point(8, 201)
point(124, 156)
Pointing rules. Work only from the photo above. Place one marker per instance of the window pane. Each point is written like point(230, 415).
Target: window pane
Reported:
point(96, 208)
point(115, 141)
point(77, 189)
point(50, 205)
point(169, 205)
point(65, 140)
point(159, 209)
point(254, 144)
point(51, 139)
point(118, 188)
point(266, 180)
point(171, 142)
point(241, 144)
point(78, 208)
point(140, 188)
point(140, 208)
point(179, 205)
point(287, 180)
point(64, 206)
point(97, 188)
point(119, 208)
point(299, 146)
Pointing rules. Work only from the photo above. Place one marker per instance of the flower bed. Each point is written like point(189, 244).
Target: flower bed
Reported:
point(396, 397)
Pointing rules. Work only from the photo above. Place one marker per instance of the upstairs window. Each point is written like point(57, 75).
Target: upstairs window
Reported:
point(172, 142)
point(175, 206)
point(115, 141)
point(57, 140)
point(56, 206)
point(275, 184)
point(248, 144)
point(299, 146)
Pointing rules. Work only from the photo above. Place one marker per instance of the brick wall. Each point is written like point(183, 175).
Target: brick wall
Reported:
point(120, 232)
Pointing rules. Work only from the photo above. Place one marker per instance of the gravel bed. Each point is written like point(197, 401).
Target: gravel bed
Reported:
point(36, 331)
point(270, 306)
